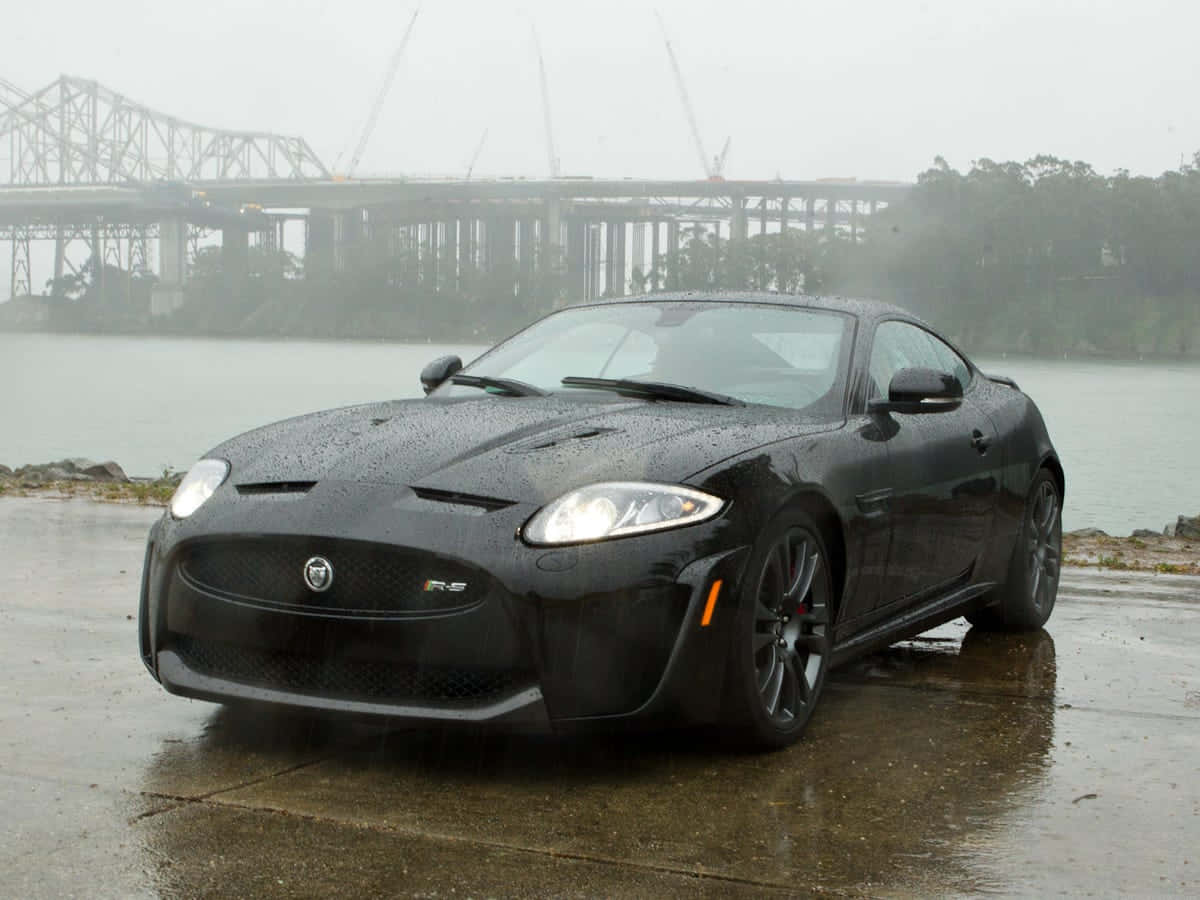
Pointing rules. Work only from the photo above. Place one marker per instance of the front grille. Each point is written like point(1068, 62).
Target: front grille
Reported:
point(368, 579)
point(347, 679)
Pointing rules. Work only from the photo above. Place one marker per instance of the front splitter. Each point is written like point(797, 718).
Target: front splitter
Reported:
point(525, 708)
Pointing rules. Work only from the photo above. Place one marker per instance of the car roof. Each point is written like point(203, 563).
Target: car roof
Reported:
point(863, 309)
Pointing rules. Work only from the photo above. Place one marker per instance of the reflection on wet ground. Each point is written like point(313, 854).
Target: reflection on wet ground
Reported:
point(960, 762)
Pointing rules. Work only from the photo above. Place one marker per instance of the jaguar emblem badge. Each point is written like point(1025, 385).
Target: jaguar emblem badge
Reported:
point(318, 574)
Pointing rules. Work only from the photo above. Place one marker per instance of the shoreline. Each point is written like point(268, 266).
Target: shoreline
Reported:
point(1157, 554)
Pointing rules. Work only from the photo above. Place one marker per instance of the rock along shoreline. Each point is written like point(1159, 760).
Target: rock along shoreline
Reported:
point(79, 476)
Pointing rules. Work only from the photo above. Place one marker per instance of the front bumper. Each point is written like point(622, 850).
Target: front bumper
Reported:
point(565, 637)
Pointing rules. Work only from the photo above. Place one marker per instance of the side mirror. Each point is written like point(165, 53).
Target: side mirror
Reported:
point(438, 371)
point(920, 391)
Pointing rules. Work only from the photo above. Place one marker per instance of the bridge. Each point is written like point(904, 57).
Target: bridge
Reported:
point(98, 175)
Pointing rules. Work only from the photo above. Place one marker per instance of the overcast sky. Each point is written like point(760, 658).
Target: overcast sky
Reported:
point(805, 89)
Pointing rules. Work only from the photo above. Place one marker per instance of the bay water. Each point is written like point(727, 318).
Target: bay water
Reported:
point(1128, 432)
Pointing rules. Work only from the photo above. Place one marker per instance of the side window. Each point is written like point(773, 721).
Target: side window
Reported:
point(951, 362)
point(897, 346)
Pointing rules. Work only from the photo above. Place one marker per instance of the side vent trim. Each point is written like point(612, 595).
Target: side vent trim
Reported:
point(276, 487)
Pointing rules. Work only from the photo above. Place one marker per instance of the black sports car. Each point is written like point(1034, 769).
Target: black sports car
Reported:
point(676, 507)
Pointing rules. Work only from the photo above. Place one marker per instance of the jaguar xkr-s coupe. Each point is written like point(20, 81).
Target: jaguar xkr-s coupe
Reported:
point(673, 508)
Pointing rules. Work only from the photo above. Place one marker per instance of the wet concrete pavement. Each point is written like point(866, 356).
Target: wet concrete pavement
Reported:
point(1064, 762)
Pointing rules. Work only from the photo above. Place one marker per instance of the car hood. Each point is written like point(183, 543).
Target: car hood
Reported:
point(520, 449)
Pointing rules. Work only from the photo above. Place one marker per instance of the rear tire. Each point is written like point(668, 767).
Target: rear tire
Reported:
point(1026, 599)
point(781, 639)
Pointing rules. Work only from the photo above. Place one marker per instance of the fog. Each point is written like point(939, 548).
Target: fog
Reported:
point(805, 90)
point(1021, 121)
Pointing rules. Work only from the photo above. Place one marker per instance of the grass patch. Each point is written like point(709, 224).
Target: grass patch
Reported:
point(143, 493)
point(1120, 565)
point(156, 493)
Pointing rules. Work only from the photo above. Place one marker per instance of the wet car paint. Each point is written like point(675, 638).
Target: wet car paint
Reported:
point(920, 524)
point(958, 763)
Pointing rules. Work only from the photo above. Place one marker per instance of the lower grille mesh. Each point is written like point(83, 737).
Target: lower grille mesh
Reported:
point(347, 679)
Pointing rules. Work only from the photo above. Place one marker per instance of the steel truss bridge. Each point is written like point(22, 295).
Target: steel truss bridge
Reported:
point(103, 177)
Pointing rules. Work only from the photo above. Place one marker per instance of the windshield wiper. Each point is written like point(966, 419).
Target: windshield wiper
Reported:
point(509, 386)
point(652, 390)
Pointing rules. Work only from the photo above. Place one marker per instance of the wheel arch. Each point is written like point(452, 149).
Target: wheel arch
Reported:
point(822, 511)
point(1050, 461)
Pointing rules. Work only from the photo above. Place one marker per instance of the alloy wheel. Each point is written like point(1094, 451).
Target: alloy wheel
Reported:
point(1044, 546)
point(791, 627)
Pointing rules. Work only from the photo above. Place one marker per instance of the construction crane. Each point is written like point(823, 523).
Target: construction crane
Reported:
point(713, 167)
point(551, 153)
point(475, 155)
point(718, 169)
point(377, 106)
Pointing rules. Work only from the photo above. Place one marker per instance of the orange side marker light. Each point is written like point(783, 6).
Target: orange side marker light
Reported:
point(711, 604)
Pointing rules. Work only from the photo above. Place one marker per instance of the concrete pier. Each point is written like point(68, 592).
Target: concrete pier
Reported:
point(1063, 762)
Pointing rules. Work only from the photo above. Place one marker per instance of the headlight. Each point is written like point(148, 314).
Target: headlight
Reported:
point(197, 486)
point(617, 508)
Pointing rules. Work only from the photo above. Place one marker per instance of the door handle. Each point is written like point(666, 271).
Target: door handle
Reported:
point(979, 442)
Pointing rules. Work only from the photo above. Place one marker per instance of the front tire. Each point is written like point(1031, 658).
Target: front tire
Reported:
point(781, 639)
point(1026, 599)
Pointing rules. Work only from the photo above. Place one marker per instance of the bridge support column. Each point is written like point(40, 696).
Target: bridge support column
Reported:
point(781, 279)
point(610, 238)
point(739, 227)
point(717, 250)
point(655, 227)
point(577, 235)
point(60, 258)
point(616, 253)
point(429, 253)
point(318, 243)
point(167, 295)
point(501, 251)
point(673, 254)
point(347, 237)
point(449, 269)
point(466, 249)
point(549, 253)
point(639, 255)
point(525, 244)
point(593, 261)
point(552, 224)
point(235, 257)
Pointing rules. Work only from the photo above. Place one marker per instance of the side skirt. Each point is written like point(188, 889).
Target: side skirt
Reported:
point(911, 622)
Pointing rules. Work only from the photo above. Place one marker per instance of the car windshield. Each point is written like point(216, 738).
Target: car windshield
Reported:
point(762, 354)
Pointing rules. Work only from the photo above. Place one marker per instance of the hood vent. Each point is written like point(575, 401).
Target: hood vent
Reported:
point(277, 487)
point(453, 497)
point(543, 442)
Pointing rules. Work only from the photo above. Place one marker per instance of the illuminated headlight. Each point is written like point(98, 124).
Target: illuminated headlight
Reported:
point(197, 486)
point(618, 508)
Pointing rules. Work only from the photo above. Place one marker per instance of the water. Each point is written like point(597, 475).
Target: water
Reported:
point(160, 402)
point(1128, 433)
